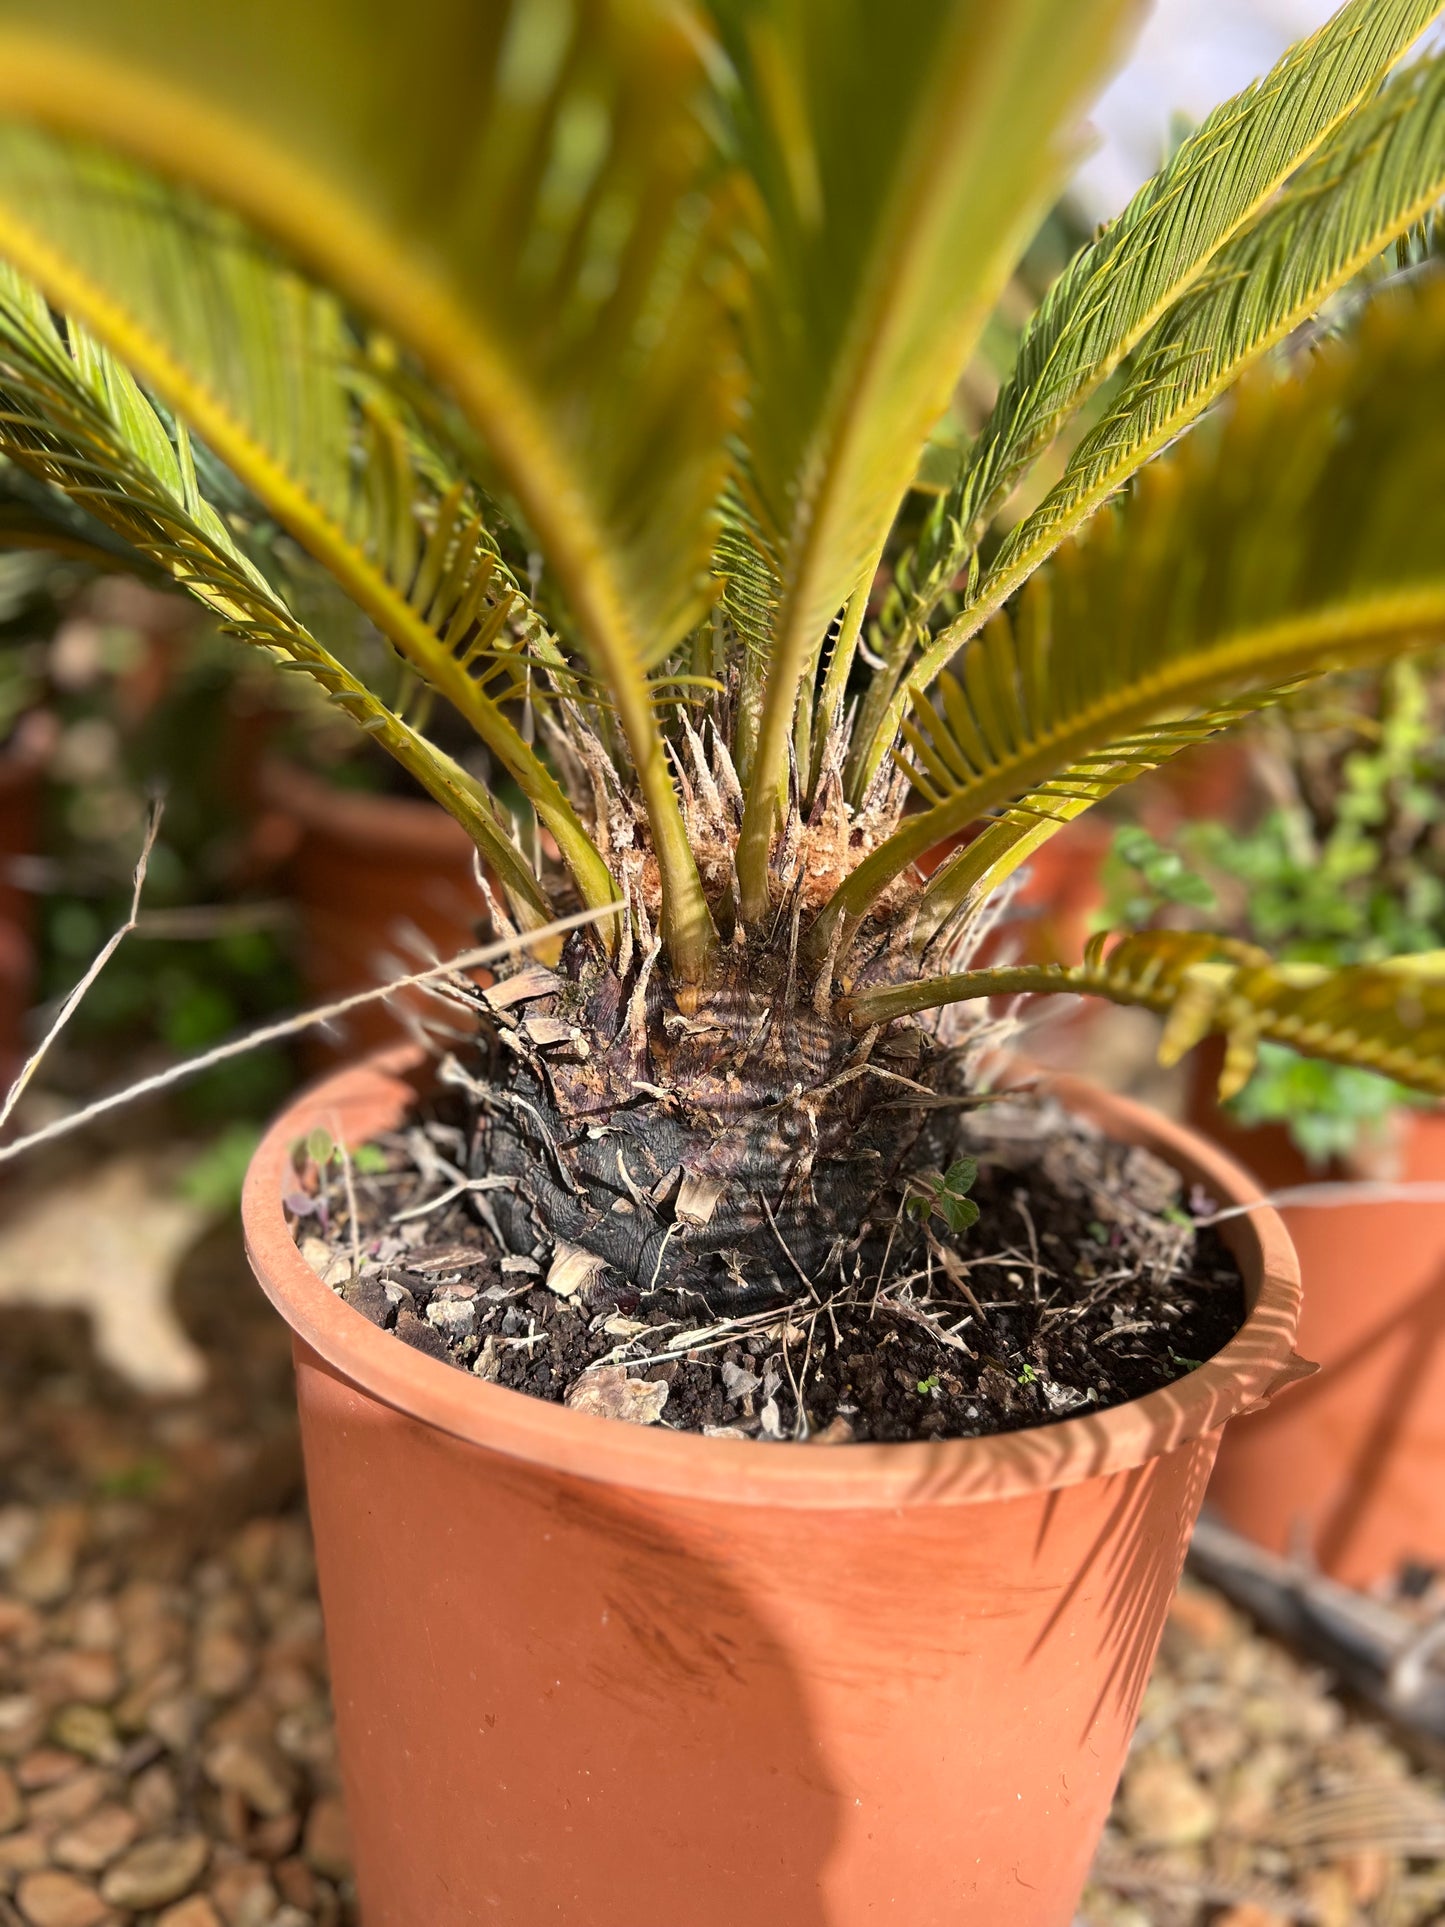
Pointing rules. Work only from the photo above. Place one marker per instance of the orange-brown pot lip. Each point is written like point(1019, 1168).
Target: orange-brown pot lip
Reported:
point(393, 828)
point(357, 1102)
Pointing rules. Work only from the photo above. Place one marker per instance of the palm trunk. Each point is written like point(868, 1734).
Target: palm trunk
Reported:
point(740, 1149)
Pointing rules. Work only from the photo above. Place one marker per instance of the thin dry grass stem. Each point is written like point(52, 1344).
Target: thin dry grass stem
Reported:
point(1035, 1264)
point(462, 1188)
point(108, 949)
point(274, 1033)
point(957, 1274)
point(808, 1284)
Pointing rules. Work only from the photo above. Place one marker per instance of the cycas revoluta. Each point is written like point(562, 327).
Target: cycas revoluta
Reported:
point(592, 348)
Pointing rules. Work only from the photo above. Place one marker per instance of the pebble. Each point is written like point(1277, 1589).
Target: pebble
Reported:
point(60, 1900)
point(153, 1796)
point(1251, 1914)
point(45, 1572)
point(23, 1852)
point(243, 1894)
point(95, 1842)
point(255, 1772)
point(12, 1807)
point(22, 1721)
point(157, 1871)
point(223, 1663)
point(1165, 1805)
point(87, 1675)
point(328, 1838)
point(46, 1766)
point(71, 1800)
point(88, 1731)
point(195, 1912)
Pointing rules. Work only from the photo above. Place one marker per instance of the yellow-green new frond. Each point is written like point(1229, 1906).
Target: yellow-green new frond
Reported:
point(72, 416)
point(1371, 182)
point(1386, 1017)
point(900, 164)
point(1303, 530)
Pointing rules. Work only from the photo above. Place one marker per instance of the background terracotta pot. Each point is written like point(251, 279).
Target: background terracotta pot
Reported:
point(600, 1675)
point(1352, 1468)
point(367, 872)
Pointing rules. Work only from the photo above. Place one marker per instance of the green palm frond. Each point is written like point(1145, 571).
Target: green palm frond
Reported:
point(526, 198)
point(899, 172)
point(1370, 183)
point(1386, 1017)
point(262, 366)
point(1123, 282)
point(74, 418)
point(1303, 530)
point(35, 516)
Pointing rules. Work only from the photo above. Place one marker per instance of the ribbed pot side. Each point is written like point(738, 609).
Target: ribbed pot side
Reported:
point(612, 1676)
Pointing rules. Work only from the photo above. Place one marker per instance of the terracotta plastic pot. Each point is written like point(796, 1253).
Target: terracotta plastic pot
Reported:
point(367, 872)
point(1351, 1469)
point(601, 1675)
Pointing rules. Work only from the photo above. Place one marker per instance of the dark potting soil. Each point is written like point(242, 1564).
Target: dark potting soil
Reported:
point(1085, 1283)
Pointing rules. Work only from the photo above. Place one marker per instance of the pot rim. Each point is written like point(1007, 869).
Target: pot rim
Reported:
point(363, 1098)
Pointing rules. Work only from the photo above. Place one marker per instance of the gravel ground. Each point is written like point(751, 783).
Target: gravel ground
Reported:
point(166, 1754)
point(1253, 1797)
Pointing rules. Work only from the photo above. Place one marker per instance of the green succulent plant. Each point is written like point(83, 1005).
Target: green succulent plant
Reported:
point(590, 349)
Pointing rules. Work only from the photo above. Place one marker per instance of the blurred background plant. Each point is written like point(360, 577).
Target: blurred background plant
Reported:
point(1338, 856)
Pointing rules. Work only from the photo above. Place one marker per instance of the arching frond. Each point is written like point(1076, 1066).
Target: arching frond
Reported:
point(525, 197)
point(900, 171)
point(1386, 1017)
point(1113, 292)
point(261, 365)
point(1369, 184)
point(72, 416)
point(1306, 529)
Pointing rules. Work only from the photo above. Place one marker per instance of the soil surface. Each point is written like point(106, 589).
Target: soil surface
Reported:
point(1084, 1283)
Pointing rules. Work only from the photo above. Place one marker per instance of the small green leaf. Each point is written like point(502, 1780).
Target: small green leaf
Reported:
point(320, 1147)
point(1028, 1376)
point(369, 1160)
point(928, 1386)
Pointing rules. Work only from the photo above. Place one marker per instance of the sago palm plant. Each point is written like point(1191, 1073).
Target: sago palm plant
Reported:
point(591, 350)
